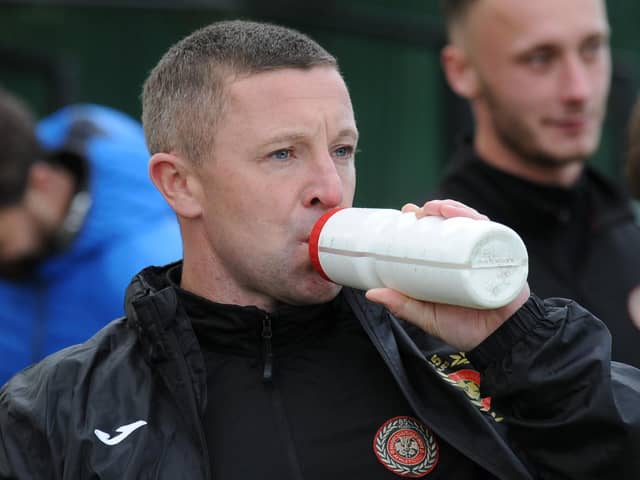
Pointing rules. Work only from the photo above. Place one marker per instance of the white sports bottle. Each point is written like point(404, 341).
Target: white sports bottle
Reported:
point(459, 260)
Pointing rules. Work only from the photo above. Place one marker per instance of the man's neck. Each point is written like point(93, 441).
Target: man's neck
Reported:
point(499, 156)
point(206, 276)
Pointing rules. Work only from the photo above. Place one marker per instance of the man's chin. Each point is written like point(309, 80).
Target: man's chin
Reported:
point(19, 271)
point(560, 157)
point(24, 268)
point(318, 291)
point(567, 151)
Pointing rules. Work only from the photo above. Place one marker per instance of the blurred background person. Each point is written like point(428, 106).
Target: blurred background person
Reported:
point(78, 218)
point(537, 76)
point(632, 171)
point(632, 161)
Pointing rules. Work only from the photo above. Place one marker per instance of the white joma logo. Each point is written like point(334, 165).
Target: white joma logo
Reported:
point(124, 431)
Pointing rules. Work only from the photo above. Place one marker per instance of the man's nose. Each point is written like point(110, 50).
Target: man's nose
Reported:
point(326, 185)
point(576, 80)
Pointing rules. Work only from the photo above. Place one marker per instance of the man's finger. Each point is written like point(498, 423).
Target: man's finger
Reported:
point(401, 306)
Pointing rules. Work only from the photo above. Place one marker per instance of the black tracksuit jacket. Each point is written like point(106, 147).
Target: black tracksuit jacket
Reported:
point(564, 410)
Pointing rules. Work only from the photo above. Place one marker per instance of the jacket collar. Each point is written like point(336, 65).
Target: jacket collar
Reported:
point(524, 204)
point(166, 335)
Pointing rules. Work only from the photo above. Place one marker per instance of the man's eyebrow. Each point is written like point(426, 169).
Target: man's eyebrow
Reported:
point(349, 132)
point(286, 137)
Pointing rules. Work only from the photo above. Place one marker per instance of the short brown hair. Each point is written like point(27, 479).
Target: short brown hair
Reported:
point(454, 10)
point(184, 95)
point(19, 146)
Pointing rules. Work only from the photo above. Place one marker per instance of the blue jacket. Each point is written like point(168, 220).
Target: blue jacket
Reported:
point(128, 226)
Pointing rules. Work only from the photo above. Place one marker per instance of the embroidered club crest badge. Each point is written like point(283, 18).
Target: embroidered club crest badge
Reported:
point(458, 371)
point(406, 447)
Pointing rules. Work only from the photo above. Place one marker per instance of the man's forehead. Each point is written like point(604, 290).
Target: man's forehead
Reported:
point(539, 21)
point(289, 82)
point(275, 89)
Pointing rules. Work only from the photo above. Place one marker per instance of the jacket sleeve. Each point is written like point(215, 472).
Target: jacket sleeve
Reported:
point(25, 452)
point(571, 411)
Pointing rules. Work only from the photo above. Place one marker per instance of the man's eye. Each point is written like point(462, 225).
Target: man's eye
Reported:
point(343, 152)
point(591, 49)
point(539, 59)
point(284, 154)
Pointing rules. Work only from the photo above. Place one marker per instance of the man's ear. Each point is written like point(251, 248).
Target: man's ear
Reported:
point(42, 193)
point(39, 175)
point(42, 179)
point(46, 184)
point(176, 180)
point(459, 71)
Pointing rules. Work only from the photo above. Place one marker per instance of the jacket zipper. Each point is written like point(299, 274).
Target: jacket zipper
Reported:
point(267, 334)
point(276, 398)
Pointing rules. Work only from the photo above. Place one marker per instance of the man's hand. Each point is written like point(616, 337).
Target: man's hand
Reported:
point(461, 327)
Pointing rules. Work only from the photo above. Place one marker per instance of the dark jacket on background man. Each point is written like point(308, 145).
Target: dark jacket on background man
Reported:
point(583, 242)
point(558, 407)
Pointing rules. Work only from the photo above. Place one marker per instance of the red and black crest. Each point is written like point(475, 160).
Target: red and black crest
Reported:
point(406, 447)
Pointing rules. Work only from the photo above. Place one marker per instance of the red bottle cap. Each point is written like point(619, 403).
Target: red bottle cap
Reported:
point(314, 238)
